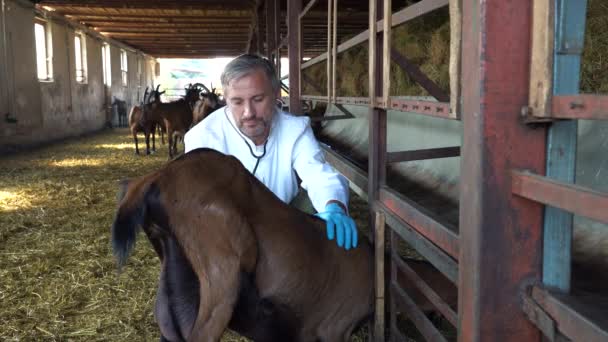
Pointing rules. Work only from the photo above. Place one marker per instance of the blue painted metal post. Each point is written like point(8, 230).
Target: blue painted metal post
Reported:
point(561, 143)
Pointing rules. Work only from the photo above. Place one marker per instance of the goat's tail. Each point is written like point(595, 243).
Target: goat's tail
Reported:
point(130, 216)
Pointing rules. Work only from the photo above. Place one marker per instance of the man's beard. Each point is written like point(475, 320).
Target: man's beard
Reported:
point(257, 130)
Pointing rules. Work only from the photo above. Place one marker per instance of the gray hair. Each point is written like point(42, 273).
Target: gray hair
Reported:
point(244, 64)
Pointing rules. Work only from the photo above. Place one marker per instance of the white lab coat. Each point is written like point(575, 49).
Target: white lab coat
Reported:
point(291, 148)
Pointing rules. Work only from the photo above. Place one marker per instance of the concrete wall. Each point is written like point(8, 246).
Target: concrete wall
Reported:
point(34, 112)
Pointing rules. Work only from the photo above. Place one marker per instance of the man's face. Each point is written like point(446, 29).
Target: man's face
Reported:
point(253, 104)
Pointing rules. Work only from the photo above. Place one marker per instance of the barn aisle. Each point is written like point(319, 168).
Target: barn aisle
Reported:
point(58, 279)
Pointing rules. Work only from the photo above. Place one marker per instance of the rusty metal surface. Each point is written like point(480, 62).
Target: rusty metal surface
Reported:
point(585, 106)
point(430, 153)
point(575, 319)
point(500, 234)
point(570, 197)
point(426, 223)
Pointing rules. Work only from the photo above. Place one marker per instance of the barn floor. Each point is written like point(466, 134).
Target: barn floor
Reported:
point(58, 277)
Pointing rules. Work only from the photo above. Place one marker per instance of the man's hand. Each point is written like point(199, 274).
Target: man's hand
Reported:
point(339, 225)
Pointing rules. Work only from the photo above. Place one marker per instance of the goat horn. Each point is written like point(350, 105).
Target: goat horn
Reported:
point(145, 95)
point(202, 85)
point(158, 86)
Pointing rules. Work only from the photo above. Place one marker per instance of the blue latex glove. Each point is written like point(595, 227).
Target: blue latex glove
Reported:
point(339, 225)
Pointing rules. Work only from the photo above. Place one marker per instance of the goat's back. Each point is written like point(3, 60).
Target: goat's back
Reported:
point(293, 264)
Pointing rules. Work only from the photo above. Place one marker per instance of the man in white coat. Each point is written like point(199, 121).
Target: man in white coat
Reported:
point(274, 145)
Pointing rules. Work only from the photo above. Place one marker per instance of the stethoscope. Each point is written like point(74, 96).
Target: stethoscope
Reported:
point(258, 158)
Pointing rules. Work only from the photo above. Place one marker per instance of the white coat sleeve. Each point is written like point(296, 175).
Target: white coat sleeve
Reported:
point(322, 182)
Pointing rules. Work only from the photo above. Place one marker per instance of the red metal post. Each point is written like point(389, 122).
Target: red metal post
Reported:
point(500, 234)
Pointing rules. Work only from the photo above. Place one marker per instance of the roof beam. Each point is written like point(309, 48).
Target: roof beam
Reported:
point(151, 4)
point(113, 31)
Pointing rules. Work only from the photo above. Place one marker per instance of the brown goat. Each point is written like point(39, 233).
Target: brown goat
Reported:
point(235, 256)
point(206, 105)
point(176, 115)
point(139, 121)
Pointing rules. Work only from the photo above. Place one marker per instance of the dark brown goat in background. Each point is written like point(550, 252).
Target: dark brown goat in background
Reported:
point(176, 115)
point(208, 103)
point(235, 256)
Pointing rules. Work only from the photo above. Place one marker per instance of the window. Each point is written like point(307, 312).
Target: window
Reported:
point(123, 66)
point(107, 67)
point(81, 58)
point(44, 55)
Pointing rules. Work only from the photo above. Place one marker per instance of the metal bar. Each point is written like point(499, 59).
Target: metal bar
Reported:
point(426, 290)
point(426, 328)
point(294, 52)
point(442, 234)
point(437, 257)
point(572, 198)
point(253, 27)
point(437, 109)
point(588, 106)
point(431, 153)
point(395, 334)
point(386, 51)
point(354, 174)
point(259, 34)
point(313, 97)
point(331, 118)
point(575, 320)
point(419, 77)
point(334, 53)
point(500, 233)
point(307, 8)
point(398, 18)
point(270, 43)
point(329, 51)
point(379, 321)
point(541, 319)
point(561, 140)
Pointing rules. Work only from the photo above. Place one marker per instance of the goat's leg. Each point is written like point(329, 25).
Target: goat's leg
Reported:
point(219, 293)
point(147, 133)
point(153, 139)
point(170, 142)
point(135, 138)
